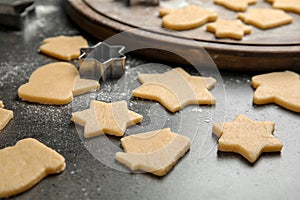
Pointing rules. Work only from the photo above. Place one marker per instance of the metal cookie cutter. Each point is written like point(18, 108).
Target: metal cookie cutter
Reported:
point(13, 12)
point(102, 62)
point(149, 2)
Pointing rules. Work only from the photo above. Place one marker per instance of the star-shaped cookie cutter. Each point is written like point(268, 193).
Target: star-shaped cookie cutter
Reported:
point(149, 2)
point(102, 62)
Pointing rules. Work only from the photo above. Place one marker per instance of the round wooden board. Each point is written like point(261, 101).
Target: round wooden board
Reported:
point(263, 50)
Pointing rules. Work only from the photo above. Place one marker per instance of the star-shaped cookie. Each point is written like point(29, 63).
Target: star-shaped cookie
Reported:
point(282, 88)
point(265, 18)
point(110, 118)
point(188, 17)
point(287, 5)
point(236, 5)
point(234, 29)
point(63, 47)
point(246, 137)
point(175, 89)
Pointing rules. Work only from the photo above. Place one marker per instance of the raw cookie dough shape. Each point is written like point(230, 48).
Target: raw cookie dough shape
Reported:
point(188, 18)
point(63, 47)
point(246, 137)
point(5, 116)
point(25, 164)
point(234, 29)
point(110, 118)
point(155, 152)
point(265, 18)
point(55, 84)
point(175, 89)
point(282, 88)
point(287, 5)
point(166, 11)
point(236, 5)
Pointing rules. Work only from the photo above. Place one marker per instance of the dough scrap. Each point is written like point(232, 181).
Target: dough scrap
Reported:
point(155, 152)
point(175, 89)
point(234, 29)
point(265, 18)
point(55, 84)
point(246, 137)
point(282, 88)
point(188, 17)
point(287, 5)
point(25, 164)
point(236, 5)
point(5, 116)
point(110, 118)
point(65, 48)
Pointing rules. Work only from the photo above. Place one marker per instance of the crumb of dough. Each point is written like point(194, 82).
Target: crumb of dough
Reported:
point(55, 84)
point(26, 164)
point(155, 152)
point(282, 88)
point(64, 48)
point(246, 137)
point(175, 89)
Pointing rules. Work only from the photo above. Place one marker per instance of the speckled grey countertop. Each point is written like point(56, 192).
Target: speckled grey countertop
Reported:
point(92, 173)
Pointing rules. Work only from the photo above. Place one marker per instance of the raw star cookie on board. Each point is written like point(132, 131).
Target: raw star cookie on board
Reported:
point(234, 29)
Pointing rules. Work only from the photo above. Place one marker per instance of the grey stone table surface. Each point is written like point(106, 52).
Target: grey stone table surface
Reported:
point(92, 173)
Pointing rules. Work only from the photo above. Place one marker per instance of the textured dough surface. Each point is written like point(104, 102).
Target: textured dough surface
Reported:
point(25, 164)
point(234, 29)
point(282, 88)
point(236, 5)
point(5, 116)
point(175, 89)
point(265, 18)
point(155, 152)
point(110, 118)
point(54, 84)
point(187, 18)
point(246, 137)
point(63, 47)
